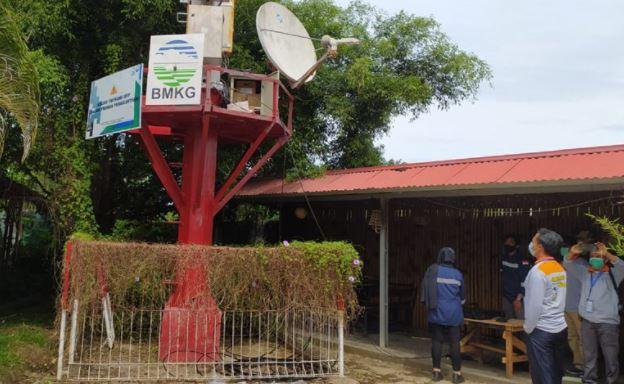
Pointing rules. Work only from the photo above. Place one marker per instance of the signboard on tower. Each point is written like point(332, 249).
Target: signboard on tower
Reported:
point(175, 70)
point(115, 103)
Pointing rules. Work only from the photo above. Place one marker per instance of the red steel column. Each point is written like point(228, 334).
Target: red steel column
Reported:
point(198, 185)
point(191, 321)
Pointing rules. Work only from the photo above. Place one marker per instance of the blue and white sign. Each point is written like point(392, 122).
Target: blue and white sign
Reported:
point(115, 103)
point(175, 70)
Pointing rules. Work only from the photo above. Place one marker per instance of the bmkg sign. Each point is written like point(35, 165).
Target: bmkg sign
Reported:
point(175, 70)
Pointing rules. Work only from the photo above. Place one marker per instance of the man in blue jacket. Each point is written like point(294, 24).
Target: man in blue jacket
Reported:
point(444, 294)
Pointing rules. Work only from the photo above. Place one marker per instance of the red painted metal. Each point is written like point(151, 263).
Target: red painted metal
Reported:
point(201, 128)
point(242, 163)
point(541, 167)
point(191, 320)
point(155, 130)
point(161, 167)
point(101, 279)
point(278, 144)
point(190, 334)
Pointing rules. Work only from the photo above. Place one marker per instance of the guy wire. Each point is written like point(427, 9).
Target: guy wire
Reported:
point(305, 195)
point(291, 34)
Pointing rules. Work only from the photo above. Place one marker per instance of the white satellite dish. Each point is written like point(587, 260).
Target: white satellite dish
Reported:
point(288, 45)
point(285, 41)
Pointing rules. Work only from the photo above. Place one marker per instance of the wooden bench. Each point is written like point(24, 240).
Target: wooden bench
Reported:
point(471, 342)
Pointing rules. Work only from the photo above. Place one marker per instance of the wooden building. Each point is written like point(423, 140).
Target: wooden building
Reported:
point(399, 216)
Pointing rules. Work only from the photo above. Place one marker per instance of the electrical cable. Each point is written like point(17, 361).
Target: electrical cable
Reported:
point(291, 34)
point(318, 225)
point(520, 211)
point(243, 358)
point(388, 353)
point(305, 195)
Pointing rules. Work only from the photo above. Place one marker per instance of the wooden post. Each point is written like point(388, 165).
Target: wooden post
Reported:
point(383, 274)
point(509, 360)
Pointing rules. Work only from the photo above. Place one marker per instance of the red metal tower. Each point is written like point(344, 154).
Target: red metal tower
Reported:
point(201, 128)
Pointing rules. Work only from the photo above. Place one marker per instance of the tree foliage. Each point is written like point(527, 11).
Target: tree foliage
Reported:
point(19, 86)
point(614, 230)
point(405, 65)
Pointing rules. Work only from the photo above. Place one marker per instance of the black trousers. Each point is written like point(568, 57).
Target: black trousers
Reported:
point(546, 352)
point(438, 333)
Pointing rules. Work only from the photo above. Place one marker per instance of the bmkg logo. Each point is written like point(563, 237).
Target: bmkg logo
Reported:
point(175, 74)
point(175, 64)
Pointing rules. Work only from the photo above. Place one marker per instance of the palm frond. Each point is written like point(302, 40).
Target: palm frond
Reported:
point(19, 86)
point(3, 128)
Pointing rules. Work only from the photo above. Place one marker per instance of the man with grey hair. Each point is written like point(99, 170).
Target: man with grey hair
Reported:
point(544, 304)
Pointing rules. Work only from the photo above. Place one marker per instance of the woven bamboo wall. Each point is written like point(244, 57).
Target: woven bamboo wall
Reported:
point(473, 226)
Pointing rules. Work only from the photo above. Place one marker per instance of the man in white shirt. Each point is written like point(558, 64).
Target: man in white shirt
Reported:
point(544, 305)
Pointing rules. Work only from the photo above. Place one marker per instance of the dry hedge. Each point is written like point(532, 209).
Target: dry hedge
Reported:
point(300, 275)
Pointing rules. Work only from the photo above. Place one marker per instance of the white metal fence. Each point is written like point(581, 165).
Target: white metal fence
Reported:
point(103, 343)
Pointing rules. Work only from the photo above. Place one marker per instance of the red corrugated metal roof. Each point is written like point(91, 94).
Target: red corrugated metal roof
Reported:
point(595, 163)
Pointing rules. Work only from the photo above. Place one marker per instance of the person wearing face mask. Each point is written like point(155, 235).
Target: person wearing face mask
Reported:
point(573, 297)
point(544, 302)
point(599, 309)
point(443, 293)
point(514, 268)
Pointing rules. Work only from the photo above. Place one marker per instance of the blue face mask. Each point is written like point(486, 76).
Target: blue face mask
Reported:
point(531, 250)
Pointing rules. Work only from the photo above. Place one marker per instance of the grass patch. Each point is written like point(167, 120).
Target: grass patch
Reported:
point(26, 343)
point(12, 339)
point(25, 351)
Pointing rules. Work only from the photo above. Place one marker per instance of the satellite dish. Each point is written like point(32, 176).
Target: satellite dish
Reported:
point(285, 41)
point(289, 46)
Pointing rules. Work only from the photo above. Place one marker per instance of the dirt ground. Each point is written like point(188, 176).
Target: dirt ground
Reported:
point(368, 370)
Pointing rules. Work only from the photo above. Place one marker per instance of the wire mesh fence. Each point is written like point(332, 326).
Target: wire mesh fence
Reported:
point(103, 343)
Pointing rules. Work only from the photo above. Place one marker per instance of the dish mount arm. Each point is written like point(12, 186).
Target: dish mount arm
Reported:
point(331, 51)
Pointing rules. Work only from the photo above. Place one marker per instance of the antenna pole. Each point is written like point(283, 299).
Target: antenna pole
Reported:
point(331, 52)
point(311, 71)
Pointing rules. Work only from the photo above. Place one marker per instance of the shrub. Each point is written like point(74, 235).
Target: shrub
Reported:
point(293, 276)
point(615, 230)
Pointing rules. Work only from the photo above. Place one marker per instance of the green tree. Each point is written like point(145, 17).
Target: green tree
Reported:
point(405, 65)
point(19, 86)
point(614, 229)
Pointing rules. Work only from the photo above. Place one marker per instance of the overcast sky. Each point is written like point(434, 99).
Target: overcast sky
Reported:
point(558, 81)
